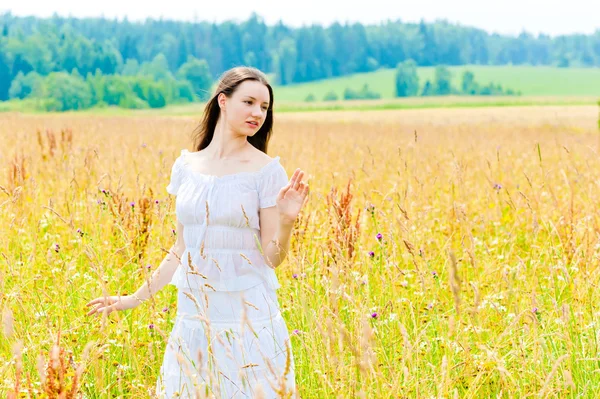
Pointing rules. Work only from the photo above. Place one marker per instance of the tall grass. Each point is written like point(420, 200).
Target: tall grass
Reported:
point(443, 253)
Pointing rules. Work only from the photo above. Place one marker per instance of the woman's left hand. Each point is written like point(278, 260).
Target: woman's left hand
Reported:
point(292, 198)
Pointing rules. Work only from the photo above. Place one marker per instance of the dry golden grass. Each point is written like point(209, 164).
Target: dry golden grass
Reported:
point(483, 284)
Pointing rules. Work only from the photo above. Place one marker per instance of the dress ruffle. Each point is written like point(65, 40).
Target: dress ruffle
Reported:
point(248, 341)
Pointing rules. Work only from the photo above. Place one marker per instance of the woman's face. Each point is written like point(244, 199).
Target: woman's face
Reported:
point(246, 110)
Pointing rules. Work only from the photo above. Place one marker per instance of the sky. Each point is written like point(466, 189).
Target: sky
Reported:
point(511, 17)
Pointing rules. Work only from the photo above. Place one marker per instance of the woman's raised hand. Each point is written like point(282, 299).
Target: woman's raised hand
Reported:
point(292, 197)
point(110, 303)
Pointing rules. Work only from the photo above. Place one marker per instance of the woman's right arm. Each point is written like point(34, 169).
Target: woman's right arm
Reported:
point(161, 277)
point(164, 273)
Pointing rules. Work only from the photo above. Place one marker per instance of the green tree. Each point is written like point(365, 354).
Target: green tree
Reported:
point(197, 72)
point(287, 61)
point(468, 85)
point(407, 79)
point(23, 86)
point(427, 89)
point(330, 96)
point(5, 73)
point(66, 92)
point(443, 81)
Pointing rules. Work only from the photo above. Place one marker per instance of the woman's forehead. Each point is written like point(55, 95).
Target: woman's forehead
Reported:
point(254, 89)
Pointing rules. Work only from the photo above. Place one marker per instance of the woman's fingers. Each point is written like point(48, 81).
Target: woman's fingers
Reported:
point(296, 177)
point(101, 299)
point(299, 181)
point(102, 303)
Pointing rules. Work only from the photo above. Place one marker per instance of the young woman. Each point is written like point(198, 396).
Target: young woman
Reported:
point(235, 212)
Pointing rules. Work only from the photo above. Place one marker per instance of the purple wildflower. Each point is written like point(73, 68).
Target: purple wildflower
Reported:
point(296, 332)
point(144, 145)
point(294, 275)
point(166, 309)
point(497, 186)
point(434, 273)
point(374, 315)
point(156, 202)
point(56, 247)
point(534, 310)
point(379, 236)
point(371, 254)
point(80, 232)
point(132, 204)
point(149, 267)
point(151, 326)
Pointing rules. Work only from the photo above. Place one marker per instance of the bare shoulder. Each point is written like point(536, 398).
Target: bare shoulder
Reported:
point(259, 159)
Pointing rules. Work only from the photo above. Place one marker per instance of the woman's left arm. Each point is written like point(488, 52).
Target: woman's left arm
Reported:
point(277, 222)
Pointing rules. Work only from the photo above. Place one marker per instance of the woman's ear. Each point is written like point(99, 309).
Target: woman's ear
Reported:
point(221, 99)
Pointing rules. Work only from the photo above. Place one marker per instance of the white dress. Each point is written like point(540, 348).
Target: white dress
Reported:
point(229, 339)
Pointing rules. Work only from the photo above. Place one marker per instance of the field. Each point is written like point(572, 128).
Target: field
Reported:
point(531, 81)
point(484, 283)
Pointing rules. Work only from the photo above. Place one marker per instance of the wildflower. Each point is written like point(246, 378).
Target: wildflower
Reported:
point(174, 232)
point(497, 186)
point(371, 254)
point(296, 332)
point(374, 315)
point(379, 236)
point(294, 275)
point(430, 306)
point(56, 247)
point(144, 145)
point(132, 204)
point(165, 309)
point(156, 202)
point(434, 273)
point(534, 310)
point(149, 267)
point(151, 326)
point(370, 208)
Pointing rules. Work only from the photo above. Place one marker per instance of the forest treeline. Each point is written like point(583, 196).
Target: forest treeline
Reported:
point(38, 55)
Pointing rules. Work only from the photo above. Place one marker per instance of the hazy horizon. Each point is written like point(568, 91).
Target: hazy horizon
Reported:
point(549, 17)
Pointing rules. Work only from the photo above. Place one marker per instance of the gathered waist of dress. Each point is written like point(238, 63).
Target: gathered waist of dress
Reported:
point(221, 238)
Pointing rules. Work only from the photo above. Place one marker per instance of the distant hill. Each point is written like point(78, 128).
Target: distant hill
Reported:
point(530, 80)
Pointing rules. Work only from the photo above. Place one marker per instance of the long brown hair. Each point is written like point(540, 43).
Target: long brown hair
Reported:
point(228, 83)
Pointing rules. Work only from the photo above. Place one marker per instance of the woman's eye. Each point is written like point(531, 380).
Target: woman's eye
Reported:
point(248, 102)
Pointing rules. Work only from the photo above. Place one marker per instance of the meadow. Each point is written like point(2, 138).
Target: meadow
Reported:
point(447, 253)
point(530, 80)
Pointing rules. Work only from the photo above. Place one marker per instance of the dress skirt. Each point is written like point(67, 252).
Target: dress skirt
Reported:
point(228, 344)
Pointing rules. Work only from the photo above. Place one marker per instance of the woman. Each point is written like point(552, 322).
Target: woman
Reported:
point(235, 212)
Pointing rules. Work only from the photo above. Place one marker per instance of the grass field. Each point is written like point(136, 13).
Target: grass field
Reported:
point(355, 105)
point(531, 81)
point(484, 283)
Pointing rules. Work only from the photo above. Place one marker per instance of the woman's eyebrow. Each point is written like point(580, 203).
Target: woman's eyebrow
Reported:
point(264, 102)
